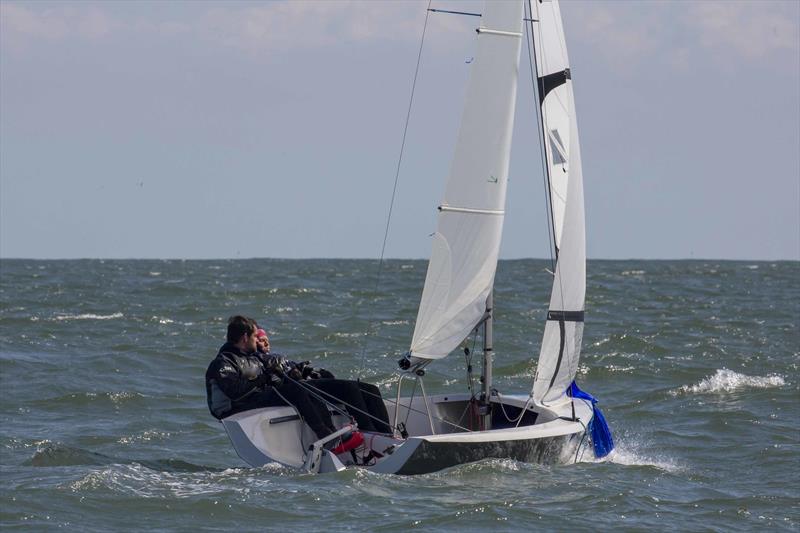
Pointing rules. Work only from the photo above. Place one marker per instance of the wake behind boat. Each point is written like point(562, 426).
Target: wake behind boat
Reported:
point(546, 424)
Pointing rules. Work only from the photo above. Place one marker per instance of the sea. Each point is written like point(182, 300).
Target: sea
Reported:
point(105, 425)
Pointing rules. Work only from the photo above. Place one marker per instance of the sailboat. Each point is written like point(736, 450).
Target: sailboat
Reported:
point(547, 424)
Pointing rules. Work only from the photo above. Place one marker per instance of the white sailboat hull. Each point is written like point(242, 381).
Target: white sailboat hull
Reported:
point(545, 436)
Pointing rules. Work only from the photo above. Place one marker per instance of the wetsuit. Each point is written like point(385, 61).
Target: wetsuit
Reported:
point(362, 400)
point(238, 381)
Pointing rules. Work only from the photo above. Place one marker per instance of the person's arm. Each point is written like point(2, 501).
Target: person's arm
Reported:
point(236, 386)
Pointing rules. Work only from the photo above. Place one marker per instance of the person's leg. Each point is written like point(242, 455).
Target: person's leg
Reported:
point(314, 412)
point(347, 392)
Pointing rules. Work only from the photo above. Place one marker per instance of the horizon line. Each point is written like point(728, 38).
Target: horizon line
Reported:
point(377, 259)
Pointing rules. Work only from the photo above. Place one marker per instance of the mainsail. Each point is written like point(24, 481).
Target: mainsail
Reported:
point(470, 221)
point(561, 344)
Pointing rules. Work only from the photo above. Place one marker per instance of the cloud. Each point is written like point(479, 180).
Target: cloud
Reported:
point(753, 30)
point(279, 26)
point(19, 22)
point(627, 33)
point(267, 27)
point(624, 32)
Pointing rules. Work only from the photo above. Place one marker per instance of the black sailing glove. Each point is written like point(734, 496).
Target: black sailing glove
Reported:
point(269, 378)
point(324, 374)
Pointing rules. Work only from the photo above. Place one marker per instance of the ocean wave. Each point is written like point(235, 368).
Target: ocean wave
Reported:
point(626, 457)
point(622, 369)
point(480, 468)
point(57, 454)
point(141, 481)
point(86, 398)
point(725, 380)
point(293, 291)
point(87, 316)
point(346, 334)
point(145, 437)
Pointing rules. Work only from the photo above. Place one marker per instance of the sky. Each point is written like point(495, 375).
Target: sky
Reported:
point(273, 129)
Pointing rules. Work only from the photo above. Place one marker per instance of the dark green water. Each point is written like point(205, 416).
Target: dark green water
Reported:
point(104, 423)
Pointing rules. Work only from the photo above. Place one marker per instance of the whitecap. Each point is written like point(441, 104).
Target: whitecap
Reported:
point(120, 397)
point(140, 481)
point(88, 316)
point(623, 369)
point(633, 272)
point(725, 380)
point(347, 334)
point(144, 437)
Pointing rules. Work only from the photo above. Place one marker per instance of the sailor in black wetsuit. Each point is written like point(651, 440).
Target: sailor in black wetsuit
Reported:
point(239, 379)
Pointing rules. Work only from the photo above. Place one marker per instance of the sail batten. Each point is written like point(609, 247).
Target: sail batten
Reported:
point(466, 243)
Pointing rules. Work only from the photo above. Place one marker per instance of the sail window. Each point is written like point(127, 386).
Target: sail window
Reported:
point(557, 148)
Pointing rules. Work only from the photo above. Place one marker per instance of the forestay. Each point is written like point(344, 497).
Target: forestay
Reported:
point(561, 344)
point(470, 221)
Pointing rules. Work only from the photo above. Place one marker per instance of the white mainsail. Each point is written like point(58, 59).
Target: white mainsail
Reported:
point(561, 344)
point(470, 221)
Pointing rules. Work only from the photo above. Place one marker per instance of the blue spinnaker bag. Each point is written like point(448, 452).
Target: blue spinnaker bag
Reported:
point(602, 441)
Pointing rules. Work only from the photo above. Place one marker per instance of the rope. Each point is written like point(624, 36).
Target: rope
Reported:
point(394, 188)
point(442, 420)
point(580, 444)
point(525, 408)
point(551, 237)
point(318, 397)
point(410, 400)
point(521, 413)
point(308, 386)
point(302, 420)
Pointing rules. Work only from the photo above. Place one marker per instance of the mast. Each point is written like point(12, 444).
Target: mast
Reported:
point(486, 394)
